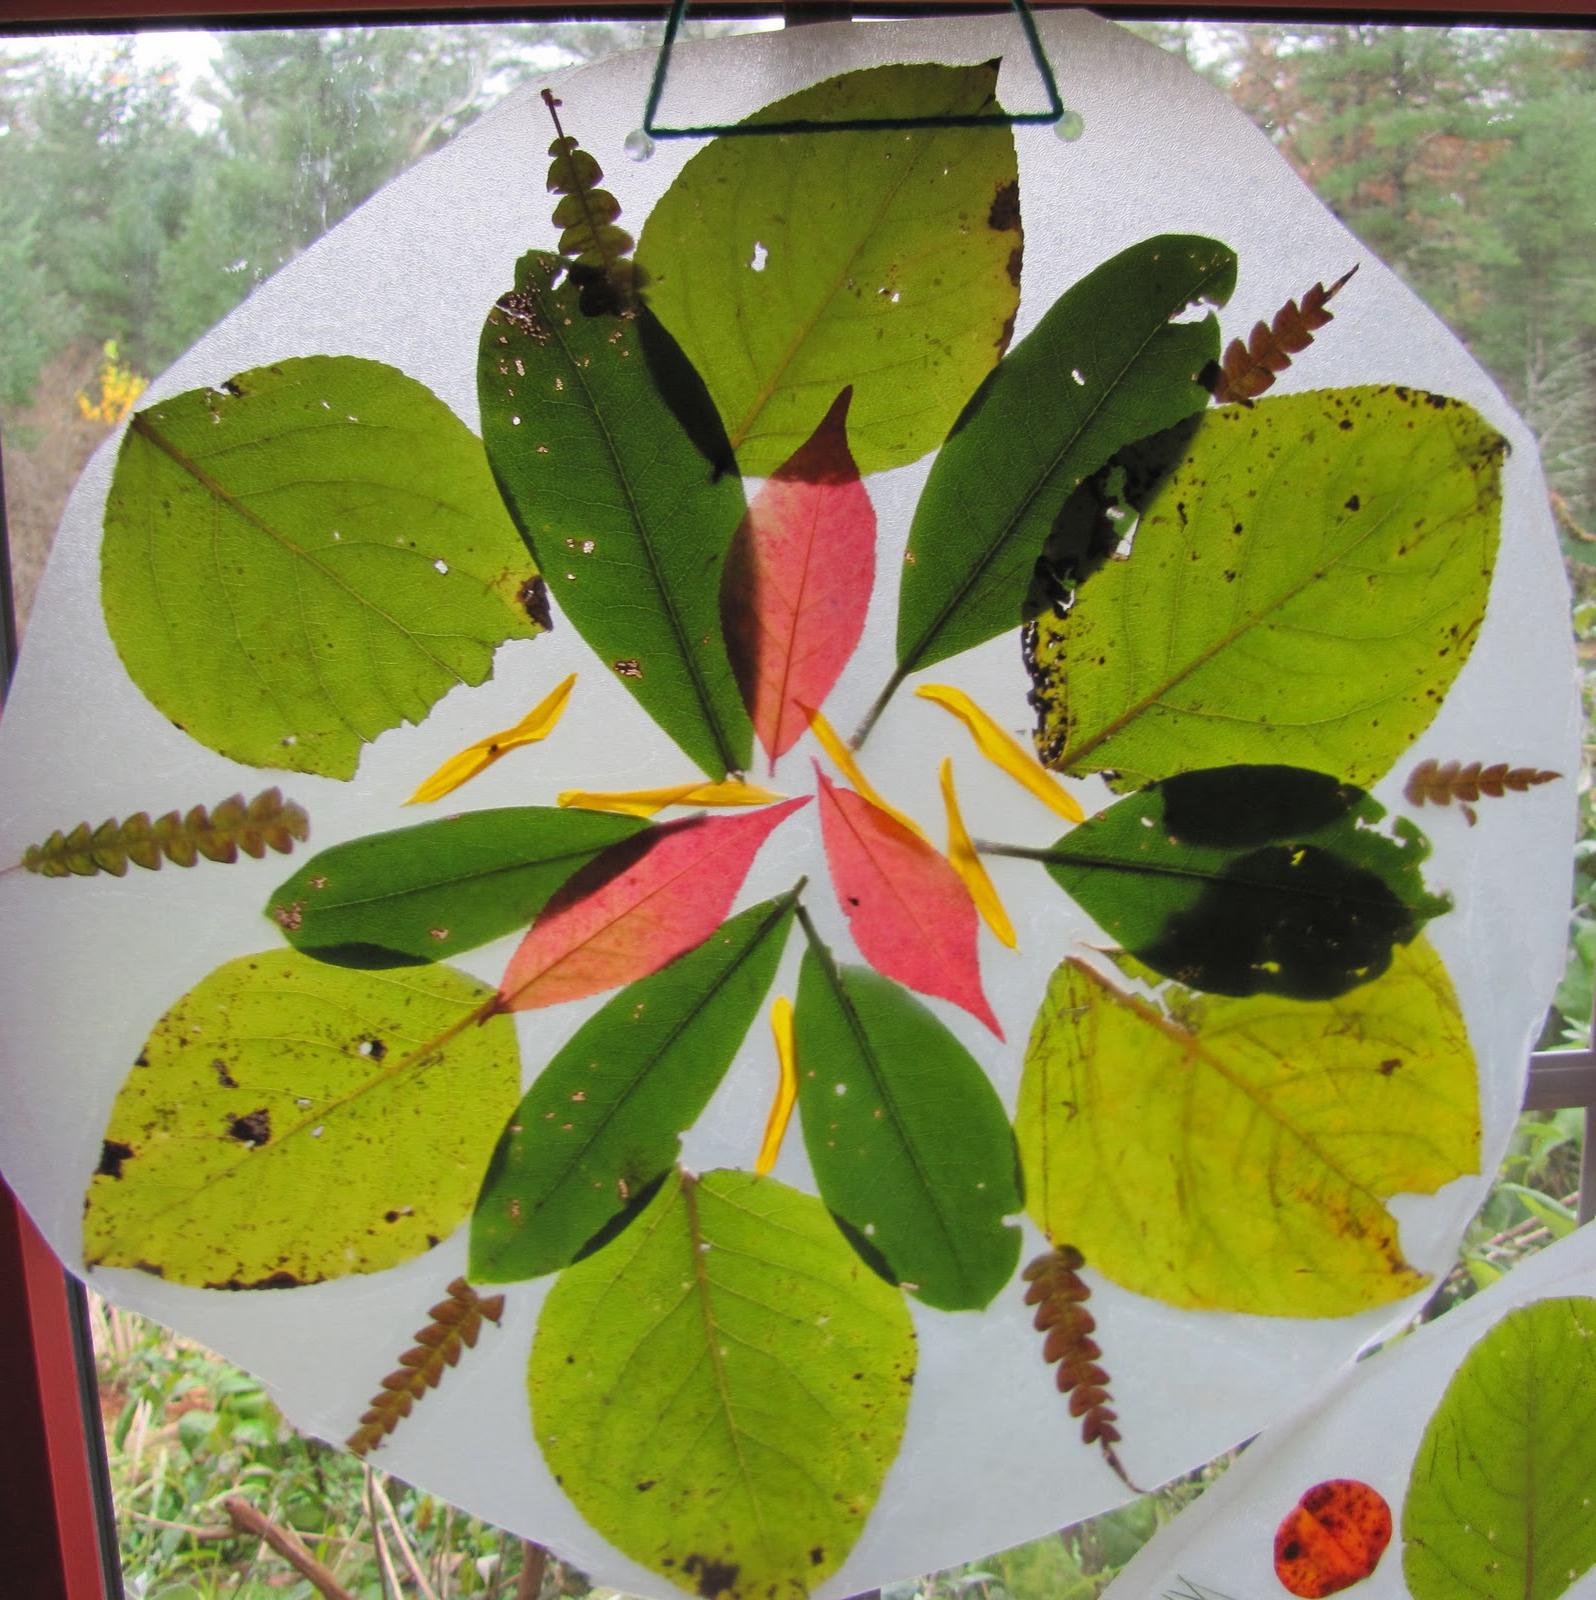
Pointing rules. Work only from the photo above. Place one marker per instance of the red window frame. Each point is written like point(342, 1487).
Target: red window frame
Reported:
point(53, 1479)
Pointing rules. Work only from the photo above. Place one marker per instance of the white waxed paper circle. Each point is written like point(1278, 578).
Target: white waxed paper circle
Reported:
point(990, 1456)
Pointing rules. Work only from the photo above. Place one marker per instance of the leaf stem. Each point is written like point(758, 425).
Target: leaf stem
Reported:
point(1021, 852)
point(873, 715)
point(812, 934)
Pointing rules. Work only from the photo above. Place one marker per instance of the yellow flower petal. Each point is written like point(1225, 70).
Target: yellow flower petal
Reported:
point(832, 743)
point(537, 724)
point(1004, 751)
point(645, 802)
point(786, 1086)
point(970, 867)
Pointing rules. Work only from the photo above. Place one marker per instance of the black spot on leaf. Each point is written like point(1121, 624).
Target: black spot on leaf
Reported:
point(112, 1154)
point(275, 1280)
point(254, 1129)
point(533, 596)
point(1005, 212)
point(714, 1577)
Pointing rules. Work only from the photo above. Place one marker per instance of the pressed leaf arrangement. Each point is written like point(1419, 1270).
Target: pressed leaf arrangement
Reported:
point(1234, 612)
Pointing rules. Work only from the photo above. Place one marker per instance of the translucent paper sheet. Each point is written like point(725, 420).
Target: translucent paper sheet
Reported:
point(1371, 1428)
point(990, 1456)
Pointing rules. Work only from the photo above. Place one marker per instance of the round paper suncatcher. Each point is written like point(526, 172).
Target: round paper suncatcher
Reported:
point(1041, 653)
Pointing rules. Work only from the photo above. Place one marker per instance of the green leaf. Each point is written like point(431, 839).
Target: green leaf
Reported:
point(630, 520)
point(908, 1140)
point(603, 1122)
point(1105, 367)
point(1303, 589)
point(1249, 880)
point(1498, 1504)
point(288, 1122)
point(790, 267)
point(721, 1391)
point(1235, 1154)
point(426, 893)
point(1558, 1220)
point(306, 557)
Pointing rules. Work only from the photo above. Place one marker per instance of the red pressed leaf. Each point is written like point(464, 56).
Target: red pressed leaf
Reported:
point(908, 910)
point(798, 582)
point(1332, 1538)
point(633, 909)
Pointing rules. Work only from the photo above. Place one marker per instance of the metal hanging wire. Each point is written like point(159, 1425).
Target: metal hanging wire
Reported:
point(997, 118)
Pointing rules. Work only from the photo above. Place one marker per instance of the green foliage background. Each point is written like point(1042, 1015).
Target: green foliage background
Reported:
point(140, 207)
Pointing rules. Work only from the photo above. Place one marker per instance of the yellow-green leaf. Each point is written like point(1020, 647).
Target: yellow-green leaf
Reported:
point(288, 1122)
point(1499, 1503)
point(789, 267)
point(721, 1390)
point(1301, 590)
point(306, 557)
point(1236, 1154)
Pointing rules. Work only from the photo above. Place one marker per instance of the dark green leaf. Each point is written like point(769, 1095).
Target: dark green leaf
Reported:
point(1103, 368)
point(908, 1140)
point(425, 893)
point(1249, 880)
point(632, 522)
point(604, 1119)
point(304, 558)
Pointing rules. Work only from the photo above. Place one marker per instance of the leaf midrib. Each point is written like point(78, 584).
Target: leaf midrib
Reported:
point(912, 659)
point(527, 864)
point(1219, 876)
point(702, 1288)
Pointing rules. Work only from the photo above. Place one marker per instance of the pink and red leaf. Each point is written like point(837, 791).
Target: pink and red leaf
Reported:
point(798, 582)
point(910, 913)
point(638, 906)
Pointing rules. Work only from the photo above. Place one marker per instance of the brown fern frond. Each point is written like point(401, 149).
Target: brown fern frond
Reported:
point(266, 822)
point(1059, 1294)
point(1249, 369)
point(595, 250)
point(1440, 783)
point(455, 1324)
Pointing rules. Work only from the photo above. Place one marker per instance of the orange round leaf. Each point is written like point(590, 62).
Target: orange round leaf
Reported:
point(1332, 1538)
